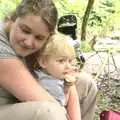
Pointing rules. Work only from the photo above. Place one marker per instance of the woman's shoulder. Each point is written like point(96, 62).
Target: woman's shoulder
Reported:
point(1, 25)
point(3, 36)
point(6, 50)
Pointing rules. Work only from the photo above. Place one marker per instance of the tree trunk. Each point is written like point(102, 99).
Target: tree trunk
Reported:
point(85, 19)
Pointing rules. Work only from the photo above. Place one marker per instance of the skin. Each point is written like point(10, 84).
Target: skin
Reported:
point(25, 40)
point(60, 65)
point(73, 106)
point(28, 34)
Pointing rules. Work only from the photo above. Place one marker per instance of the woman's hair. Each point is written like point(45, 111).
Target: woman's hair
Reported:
point(58, 45)
point(43, 8)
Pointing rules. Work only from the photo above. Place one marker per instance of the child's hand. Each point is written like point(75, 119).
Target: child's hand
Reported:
point(72, 77)
point(69, 79)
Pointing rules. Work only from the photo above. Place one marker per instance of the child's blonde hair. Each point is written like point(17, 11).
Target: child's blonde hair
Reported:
point(58, 45)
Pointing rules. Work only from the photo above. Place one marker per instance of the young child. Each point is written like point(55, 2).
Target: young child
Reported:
point(56, 73)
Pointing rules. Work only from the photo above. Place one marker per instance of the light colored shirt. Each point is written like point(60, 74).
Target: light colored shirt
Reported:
point(53, 85)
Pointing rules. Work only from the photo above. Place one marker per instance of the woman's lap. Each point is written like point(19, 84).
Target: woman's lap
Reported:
point(33, 111)
point(87, 91)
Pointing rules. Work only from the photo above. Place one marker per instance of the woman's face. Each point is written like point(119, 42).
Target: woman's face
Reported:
point(28, 34)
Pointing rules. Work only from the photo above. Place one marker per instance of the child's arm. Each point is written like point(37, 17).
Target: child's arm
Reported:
point(73, 107)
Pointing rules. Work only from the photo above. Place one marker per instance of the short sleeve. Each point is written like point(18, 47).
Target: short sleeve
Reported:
point(6, 51)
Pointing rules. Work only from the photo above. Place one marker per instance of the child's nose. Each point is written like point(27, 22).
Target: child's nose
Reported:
point(68, 65)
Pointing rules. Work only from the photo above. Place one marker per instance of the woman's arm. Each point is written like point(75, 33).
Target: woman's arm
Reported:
point(73, 107)
point(15, 77)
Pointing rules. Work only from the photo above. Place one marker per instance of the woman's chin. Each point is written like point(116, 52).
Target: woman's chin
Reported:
point(22, 54)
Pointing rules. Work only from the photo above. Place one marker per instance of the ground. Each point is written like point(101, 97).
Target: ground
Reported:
point(108, 96)
point(109, 87)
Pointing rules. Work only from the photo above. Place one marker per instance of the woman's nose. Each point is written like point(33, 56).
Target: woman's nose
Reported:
point(29, 41)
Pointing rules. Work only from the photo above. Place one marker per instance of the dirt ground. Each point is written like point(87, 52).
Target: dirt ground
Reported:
point(108, 82)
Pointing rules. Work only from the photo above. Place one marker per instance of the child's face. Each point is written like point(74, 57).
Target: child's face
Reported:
point(58, 66)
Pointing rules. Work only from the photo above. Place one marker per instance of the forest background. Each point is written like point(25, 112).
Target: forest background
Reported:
point(95, 17)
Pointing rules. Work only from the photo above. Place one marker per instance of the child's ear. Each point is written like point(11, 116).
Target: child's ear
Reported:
point(41, 62)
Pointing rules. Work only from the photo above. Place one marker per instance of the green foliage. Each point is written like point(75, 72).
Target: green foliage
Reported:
point(70, 6)
point(104, 18)
point(7, 6)
point(85, 46)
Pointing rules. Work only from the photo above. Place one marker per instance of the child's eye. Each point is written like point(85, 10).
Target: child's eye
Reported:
point(70, 61)
point(61, 61)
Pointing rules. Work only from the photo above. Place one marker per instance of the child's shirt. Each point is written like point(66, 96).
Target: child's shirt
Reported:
point(53, 85)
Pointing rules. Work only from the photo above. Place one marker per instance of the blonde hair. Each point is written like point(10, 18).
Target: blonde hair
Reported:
point(58, 45)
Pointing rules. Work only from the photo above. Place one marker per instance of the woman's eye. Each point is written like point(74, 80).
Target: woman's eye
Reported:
point(26, 31)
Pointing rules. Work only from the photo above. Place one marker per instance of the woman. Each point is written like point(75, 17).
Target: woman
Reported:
point(21, 34)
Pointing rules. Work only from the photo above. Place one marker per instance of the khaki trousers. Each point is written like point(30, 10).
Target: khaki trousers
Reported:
point(33, 111)
point(51, 111)
point(87, 91)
